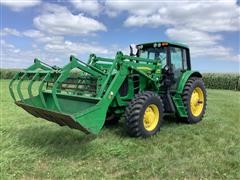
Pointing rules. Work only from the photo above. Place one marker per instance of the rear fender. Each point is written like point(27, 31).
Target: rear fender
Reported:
point(184, 78)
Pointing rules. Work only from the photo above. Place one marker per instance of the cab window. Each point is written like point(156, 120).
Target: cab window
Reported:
point(184, 57)
point(155, 54)
point(176, 58)
point(176, 62)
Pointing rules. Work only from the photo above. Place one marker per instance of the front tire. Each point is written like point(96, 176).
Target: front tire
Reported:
point(195, 99)
point(144, 115)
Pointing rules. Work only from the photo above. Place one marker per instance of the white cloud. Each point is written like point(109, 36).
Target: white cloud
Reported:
point(52, 52)
point(9, 31)
point(32, 33)
point(195, 22)
point(75, 48)
point(41, 37)
point(17, 5)
point(202, 44)
point(6, 45)
point(212, 16)
point(57, 44)
point(51, 39)
point(133, 7)
point(92, 7)
point(13, 57)
point(10, 55)
point(154, 20)
point(193, 37)
point(59, 20)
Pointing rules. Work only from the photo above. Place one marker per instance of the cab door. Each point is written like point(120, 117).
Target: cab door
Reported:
point(178, 63)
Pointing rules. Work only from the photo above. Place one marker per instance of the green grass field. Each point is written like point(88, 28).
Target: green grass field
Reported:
point(33, 148)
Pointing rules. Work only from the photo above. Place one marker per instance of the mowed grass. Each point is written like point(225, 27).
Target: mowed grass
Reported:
point(34, 148)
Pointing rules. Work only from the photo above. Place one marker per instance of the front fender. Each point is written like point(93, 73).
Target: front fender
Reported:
point(184, 77)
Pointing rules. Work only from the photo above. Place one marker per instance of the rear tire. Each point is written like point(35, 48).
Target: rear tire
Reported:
point(195, 99)
point(144, 115)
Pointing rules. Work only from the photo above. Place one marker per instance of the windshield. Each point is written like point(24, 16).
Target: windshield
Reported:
point(154, 54)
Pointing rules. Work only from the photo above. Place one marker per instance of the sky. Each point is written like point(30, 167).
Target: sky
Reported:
point(54, 30)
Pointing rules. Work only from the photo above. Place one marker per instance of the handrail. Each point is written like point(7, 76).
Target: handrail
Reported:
point(104, 59)
point(133, 58)
point(117, 59)
point(41, 62)
point(88, 65)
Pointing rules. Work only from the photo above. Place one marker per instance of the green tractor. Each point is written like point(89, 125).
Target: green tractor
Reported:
point(144, 87)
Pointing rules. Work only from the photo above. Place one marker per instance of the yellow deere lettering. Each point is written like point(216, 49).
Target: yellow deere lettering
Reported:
point(144, 68)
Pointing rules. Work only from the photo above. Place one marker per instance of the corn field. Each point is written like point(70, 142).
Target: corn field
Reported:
point(222, 81)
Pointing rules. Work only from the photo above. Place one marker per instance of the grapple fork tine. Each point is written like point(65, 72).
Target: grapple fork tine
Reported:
point(11, 85)
point(30, 85)
point(46, 78)
point(19, 86)
point(54, 90)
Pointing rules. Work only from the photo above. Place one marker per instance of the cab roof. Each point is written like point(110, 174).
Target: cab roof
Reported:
point(169, 42)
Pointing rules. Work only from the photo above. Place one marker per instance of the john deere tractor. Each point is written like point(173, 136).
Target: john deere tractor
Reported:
point(144, 87)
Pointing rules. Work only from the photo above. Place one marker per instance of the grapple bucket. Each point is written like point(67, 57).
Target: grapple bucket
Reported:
point(87, 117)
point(61, 97)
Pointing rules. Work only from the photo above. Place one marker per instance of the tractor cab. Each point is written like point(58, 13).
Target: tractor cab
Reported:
point(173, 57)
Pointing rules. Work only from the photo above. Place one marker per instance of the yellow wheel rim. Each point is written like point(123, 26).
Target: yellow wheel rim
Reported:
point(197, 101)
point(151, 117)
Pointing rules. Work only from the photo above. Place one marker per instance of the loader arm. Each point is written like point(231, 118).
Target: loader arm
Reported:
point(93, 118)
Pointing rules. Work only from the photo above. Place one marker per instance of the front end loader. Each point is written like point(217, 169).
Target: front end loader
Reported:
point(143, 87)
